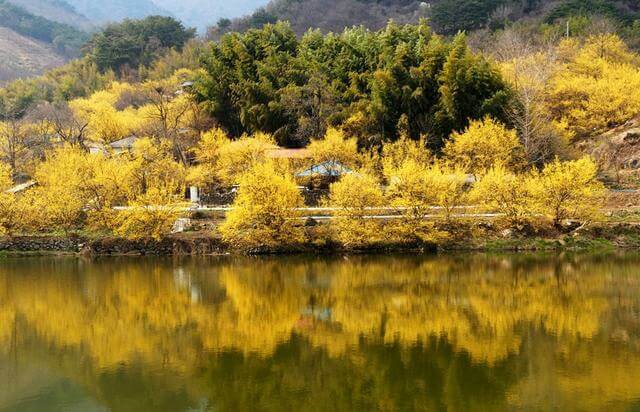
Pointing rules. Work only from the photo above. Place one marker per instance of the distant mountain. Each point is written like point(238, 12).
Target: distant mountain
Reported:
point(31, 44)
point(102, 11)
point(66, 39)
point(22, 56)
point(56, 10)
point(204, 13)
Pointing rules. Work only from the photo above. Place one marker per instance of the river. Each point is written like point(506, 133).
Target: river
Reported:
point(457, 332)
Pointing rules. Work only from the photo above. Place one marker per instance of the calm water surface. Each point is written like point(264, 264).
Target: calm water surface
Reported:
point(456, 333)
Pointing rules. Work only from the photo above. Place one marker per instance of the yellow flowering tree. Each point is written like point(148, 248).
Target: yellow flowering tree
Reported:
point(448, 185)
point(335, 147)
point(596, 88)
point(150, 215)
point(171, 114)
point(154, 167)
point(568, 190)
point(354, 196)
point(264, 211)
point(482, 145)
point(74, 185)
point(57, 209)
point(5, 177)
point(394, 154)
point(238, 156)
point(61, 196)
point(507, 193)
point(9, 209)
point(409, 189)
point(417, 190)
point(207, 153)
point(105, 123)
point(109, 184)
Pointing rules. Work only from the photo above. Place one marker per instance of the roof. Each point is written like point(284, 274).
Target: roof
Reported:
point(22, 187)
point(331, 168)
point(282, 153)
point(126, 143)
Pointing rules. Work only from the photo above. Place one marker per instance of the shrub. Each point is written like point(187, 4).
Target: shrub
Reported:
point(264, 212)
point(417, 189)
point(151, 215)
point(595, 91)
point(482, 145)
point(238, 156)
point(506, 193)
point(448, 186)
point(335, 147)
point(9, 209)
point(396, 153)
point(61, 196)
point(353, 197)
point(568, 190)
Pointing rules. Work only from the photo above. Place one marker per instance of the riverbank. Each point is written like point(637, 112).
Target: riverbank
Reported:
point(477, 238)
point(194, 244)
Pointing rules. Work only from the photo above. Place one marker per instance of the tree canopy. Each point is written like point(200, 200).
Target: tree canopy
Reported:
point(270, 81)
point(133, 43)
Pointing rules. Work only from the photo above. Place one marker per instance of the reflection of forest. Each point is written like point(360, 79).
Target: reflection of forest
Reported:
point(518, 327)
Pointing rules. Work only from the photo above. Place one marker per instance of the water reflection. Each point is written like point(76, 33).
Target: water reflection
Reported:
point(373, 333)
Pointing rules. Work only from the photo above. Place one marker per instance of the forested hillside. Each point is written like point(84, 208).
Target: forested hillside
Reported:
point(156, 42)
point(62, 23)
point(134, 43)
point(327, 15)
point(418, 115)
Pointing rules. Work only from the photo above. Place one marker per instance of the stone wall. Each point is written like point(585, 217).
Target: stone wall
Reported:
point(41, 244)
point(166, 246)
